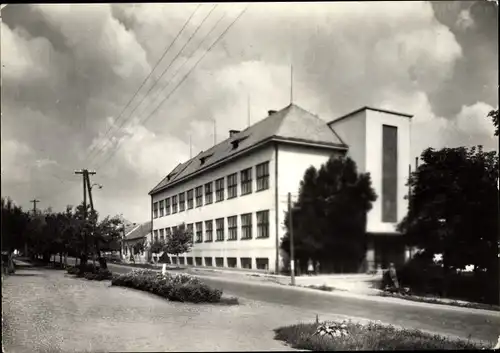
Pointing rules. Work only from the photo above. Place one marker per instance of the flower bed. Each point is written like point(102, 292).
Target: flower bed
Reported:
point(348, 336)
point(180, 287)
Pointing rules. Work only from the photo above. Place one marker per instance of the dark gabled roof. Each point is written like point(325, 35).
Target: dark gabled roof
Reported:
point(139, 231)
point(292, 124)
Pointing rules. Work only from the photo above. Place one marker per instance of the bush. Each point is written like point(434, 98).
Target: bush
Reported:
point(348, 336)
point(181, 287)
point(99, 275)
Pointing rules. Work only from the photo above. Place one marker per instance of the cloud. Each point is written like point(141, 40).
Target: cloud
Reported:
point(70, 71)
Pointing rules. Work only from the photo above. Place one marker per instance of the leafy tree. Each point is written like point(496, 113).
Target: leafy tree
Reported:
point(157, 247)
point(335, 201)
point(14, 225)
point(494, 117)
point(138, 247)
point(454, 207)
point(179, 242)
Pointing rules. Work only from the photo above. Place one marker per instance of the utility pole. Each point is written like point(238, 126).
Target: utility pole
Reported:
point(291, 84)
point(34, 201)
point(290, 227)
point(84, 173)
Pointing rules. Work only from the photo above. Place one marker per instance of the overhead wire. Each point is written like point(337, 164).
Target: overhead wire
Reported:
point(182, 80)
point(162, 74)
point(147, 77)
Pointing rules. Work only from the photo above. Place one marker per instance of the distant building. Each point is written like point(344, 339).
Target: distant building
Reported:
point(134, 234)
point(234, 196)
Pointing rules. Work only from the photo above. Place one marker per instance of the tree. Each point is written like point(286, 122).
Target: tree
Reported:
point(157, 246)
point(335, 200)
point(494, 117)
point(454, 207)
point(14, 225)
point(179, 241)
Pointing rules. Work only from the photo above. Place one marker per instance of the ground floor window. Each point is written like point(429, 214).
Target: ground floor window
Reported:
point(262, 263)
point(208, 261)
point(246, 262)
point(231, 262)
point(174, 260)
point(198, 261)
point(219, 261)
point(182, 260)
point(190, 261)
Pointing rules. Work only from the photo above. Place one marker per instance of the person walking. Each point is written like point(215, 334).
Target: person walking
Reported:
point(317, 268)
point(310, 267)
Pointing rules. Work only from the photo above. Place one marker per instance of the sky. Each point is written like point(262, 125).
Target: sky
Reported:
point(69, 73)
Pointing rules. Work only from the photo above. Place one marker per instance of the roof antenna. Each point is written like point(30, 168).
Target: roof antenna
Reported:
point(291, 84)
point(248, 107)
point(190, 148)
point(215, 132)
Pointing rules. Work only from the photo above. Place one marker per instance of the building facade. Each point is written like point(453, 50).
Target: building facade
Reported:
point(233, 197)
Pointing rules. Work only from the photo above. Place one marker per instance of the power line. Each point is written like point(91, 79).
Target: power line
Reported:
point(164, 71)
point(182, 80)
point(145, 80)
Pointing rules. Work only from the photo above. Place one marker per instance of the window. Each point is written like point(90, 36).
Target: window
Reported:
point(168, 233)
point(182, 260)
point(246, 181)
point(232, 185)
point(190, 199)
point(263, 176)
point(190, 261)
point(246, 262)
point(167, 206)
point(232, 224)
point(155, 210)
point(190, 228)
point(389, 173)
point(198, 261)
point(231, 262)
point(199, 196)
point(246, 226)
point(219, 190)
point(182, 201)
point(209, 193)
point(262, 263)
point(208, 261)
point(162, 235)
point(263, 224)
point(199, 232)
point(219, 261)
point(174, 204)
point(219, 229)
point(161, 209)
point(174, 229)
point(155, 232)
point(209, 230)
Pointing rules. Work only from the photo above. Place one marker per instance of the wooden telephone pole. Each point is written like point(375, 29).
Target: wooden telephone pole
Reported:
point(85, 173)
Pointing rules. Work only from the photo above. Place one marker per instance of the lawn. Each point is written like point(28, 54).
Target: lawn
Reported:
point(349, 336)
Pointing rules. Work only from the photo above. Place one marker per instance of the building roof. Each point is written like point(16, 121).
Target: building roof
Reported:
point(139, 231)
point(369, 108)
point(291, 124)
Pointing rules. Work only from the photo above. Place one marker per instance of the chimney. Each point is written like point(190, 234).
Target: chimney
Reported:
point(233, 132)
point(271, 112)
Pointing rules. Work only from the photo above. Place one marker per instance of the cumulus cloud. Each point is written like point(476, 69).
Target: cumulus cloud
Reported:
point(70, 70)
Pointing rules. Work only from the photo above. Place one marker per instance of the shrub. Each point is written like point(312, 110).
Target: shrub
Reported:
point(348, 336)
point(182, 288)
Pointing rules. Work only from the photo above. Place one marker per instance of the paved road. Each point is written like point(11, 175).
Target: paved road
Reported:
point(439, 319)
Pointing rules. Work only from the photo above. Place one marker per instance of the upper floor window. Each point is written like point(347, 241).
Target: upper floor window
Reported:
point(174, 204)
point(168, 233)
point(219, 189)
point(155, 235)
point(219, 229)
point(246, 181)
point(262, 176)
point(246, 226)
point(190, 199)
point(155, 210)
point(263, 224)
point(162, 235)
point(232, 185)
point(190, 229)
point(209, 193)
point(232, 225)
point(182, 201)
point(199, 196)
point(162, 210)
point(199, 232)
point(209, 227)
point(167, 206)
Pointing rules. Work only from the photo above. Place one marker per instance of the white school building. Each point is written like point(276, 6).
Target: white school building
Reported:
point(234, 196)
